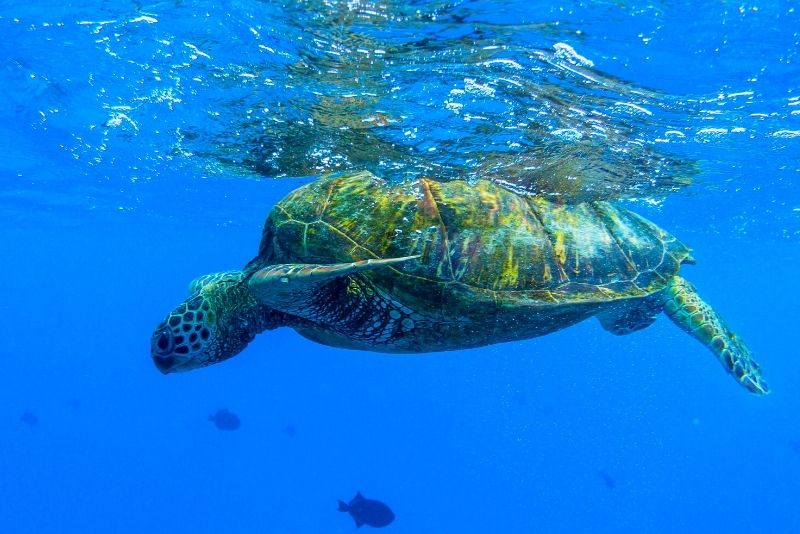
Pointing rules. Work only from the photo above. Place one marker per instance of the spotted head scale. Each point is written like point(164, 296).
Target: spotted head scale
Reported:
point(212, 325)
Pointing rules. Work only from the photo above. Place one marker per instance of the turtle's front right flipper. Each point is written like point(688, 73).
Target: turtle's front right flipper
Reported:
point(288, 286)
point(687, 310)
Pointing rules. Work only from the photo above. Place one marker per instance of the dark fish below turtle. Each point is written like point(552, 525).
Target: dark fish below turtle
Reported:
point(367, 511)
point(225, 419)
point(29, 418)
point(609, 482)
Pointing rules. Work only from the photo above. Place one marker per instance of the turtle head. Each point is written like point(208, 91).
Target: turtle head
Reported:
point(215, 323)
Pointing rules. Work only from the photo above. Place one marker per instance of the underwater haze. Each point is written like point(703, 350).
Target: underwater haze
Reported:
point(144, 144)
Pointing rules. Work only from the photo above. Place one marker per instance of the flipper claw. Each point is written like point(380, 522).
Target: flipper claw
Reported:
point(687, 310)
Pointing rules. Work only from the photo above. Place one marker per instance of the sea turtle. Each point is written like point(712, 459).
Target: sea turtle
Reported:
point(354, 261)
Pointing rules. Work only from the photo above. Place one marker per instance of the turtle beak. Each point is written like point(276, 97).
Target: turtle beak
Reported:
point(165, 364)
point(172, 364)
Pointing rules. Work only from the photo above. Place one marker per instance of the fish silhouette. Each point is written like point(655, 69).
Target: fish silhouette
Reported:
point(29, 418)
point(607, 479)
point(225, 419)
point(367, 511)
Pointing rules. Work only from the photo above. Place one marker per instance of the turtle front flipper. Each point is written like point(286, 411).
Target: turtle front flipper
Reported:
point(286, 286)
point(687, 310)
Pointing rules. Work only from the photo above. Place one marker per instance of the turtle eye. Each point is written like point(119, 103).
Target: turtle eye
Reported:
point(163, 342)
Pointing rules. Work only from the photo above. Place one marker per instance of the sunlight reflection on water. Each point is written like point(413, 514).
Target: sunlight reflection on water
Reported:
point(442, 89)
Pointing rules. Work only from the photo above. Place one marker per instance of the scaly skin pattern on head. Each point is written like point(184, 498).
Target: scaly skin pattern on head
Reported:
point(215, 323)
point(212, 278)
point(687, 310)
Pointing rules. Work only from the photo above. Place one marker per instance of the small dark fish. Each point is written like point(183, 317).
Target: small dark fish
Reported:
point(607, 480)
point(225, 420)
point(367, 511)
point(795, 446)
point(289, 430)
point(29, 418)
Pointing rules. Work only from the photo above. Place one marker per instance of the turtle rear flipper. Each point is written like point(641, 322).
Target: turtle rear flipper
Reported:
point(631, 316)
point(687, 310)
point(286, 286)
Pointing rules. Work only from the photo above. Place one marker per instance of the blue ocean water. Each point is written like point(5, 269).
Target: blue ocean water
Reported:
point(145, 142)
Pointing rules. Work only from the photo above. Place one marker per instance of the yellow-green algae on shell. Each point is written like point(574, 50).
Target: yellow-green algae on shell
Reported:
point(476, 241)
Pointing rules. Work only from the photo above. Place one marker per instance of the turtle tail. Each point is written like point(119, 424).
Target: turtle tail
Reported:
point(687, 310)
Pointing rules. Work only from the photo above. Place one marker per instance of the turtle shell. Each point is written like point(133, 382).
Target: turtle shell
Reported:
point(477, 242)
